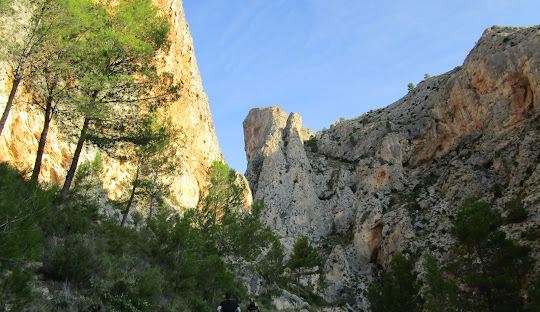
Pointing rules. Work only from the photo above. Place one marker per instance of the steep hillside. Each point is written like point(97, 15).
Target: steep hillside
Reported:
point(197, 148)
point(392, 179)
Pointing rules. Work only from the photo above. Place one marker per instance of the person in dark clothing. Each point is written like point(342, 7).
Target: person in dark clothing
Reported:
point(253, 306)
point(229, 305)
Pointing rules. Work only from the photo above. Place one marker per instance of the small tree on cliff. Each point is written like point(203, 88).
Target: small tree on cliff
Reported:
point(223, 220)
point(150, 151)
point(303, 258)
point(272, 266)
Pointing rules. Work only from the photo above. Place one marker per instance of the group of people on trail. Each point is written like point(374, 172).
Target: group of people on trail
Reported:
point(230, 305)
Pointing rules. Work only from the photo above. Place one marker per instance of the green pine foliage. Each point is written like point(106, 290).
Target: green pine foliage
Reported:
point(94, 71)
point(231, 231)
point(23, 208)
point(89, 262)
point(312, 144)
point(487, 272)
point(303, 259)
point(16, 289)
point(109, 51)
point(397, 290)
point(6, 6)
point(533, 294)
point(304, 255)
point(440, 295)
point(491, 266)
point(515, 211)
point(272, 266)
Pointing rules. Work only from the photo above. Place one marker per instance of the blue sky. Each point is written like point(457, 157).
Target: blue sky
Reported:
point(327, 59)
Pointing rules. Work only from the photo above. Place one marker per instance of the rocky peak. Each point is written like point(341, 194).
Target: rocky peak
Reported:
point(277, 166)
point(391, 179)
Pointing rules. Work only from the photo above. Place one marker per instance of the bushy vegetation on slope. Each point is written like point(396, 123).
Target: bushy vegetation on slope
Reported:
point(66, 255)
point(487, 272)
point(88, 261)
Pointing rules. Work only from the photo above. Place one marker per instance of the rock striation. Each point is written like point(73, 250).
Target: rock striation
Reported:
point(196, 149)
point(392, 179)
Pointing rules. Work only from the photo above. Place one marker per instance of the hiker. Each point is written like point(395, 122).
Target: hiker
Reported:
point(229, 305)
point(252, 306)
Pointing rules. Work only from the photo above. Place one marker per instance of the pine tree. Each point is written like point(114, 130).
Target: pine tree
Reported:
point(491, 266)
point(150, 151)
point(20, 40)
point(231, 230)
point(115, 71)
point(272, 266)
point(48, 80)
point(441, 295)
point(303, 259)
point(22, 211)
point(398, 290)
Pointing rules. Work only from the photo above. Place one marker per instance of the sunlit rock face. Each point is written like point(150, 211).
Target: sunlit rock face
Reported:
point(197, 148)
point(391, 180)
point(191, 113)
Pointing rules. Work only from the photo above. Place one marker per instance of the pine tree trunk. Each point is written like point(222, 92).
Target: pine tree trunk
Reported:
point(150, 210)
point(9, 103)
point(153, 194)
point(131, 198)
point(42, 141)
point(298, 283)
point(18, 72)
point(74, 162)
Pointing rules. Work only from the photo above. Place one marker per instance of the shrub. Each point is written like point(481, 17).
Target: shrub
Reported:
point(15, 290)
point(533, 292)
point(515, 211)
point(398, 290)
point(22, 209)
point(77, 260)
point(312, 143)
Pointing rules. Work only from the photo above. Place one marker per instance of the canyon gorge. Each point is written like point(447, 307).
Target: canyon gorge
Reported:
point(388, 181)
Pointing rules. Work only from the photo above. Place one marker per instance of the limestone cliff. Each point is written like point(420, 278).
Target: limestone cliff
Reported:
point(392, 179)
point(197, 149)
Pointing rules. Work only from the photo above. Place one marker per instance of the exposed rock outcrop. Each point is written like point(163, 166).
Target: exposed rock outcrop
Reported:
point(191, 113)
point(392, 179)
point(278, 171)
point(198, 146)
